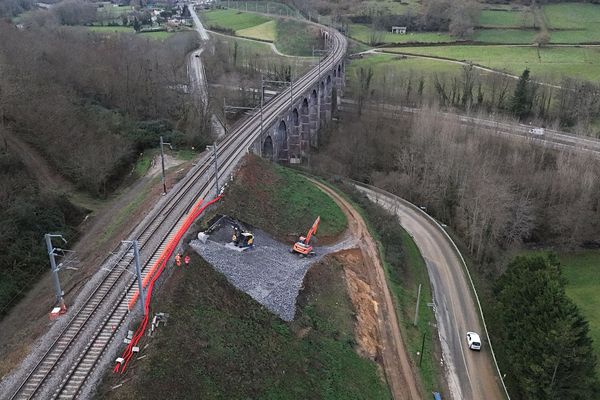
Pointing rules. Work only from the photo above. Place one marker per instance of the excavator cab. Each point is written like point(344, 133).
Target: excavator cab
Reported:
point(303, 246)
point(241, 238)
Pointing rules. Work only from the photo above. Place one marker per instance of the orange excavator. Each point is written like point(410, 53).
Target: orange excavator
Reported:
point(302, 246)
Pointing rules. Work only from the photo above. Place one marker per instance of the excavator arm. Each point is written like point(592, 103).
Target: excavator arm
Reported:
point(312, 231)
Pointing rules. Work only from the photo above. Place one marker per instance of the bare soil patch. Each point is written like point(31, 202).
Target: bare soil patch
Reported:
point(402, 379)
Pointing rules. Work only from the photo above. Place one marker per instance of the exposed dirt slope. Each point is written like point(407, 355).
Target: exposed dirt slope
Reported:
point(396, 362)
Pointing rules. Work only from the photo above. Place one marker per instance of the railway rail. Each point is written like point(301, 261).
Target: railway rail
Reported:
point(65, 367)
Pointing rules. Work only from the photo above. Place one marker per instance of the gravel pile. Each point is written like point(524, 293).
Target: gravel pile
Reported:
point(268, 272)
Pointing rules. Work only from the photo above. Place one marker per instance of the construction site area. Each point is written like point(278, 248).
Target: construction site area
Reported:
point(265, 269)
point(275, 286)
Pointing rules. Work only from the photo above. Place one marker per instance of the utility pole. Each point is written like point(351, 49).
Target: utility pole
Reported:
point(422, 350)
point(291, 91)
point(162, 161)
point(262, 99)
point(320, 53)
point(216, 167)
point(138, 271)
point(417, 308)
point(214, 149)
point(224, 116)
point(54, 269)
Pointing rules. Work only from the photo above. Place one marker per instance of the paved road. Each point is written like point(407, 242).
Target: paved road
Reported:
point(197, 24)
point(470, 375)
point(197, 74)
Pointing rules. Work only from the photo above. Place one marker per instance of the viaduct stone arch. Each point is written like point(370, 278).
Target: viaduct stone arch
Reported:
point(292, 135)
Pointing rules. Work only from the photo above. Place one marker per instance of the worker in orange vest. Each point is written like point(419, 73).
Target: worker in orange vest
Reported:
point(178, 260)
point(186, 260)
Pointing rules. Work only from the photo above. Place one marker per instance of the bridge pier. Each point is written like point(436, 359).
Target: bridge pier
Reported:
point(290, 137)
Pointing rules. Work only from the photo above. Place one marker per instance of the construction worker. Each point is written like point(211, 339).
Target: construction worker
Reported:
point(178, 260)
point(186, 260)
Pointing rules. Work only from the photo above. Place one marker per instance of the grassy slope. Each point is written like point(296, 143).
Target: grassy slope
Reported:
point(510, 36)
point(264, 31)
point(290, 36)
point(390, 63)
point(506, 19)
point(221, 344)
point(266, 7)
point(111, 29)
point(281, 202)
point(161, 35)
point(362, 33)
point(114, 12)
point(580, 62)
point(296, 38)
point(232, 19)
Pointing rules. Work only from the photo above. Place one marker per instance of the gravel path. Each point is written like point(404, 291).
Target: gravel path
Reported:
point(268, 272)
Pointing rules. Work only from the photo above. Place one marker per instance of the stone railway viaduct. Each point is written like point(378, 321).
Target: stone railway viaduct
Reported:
point(295, 131)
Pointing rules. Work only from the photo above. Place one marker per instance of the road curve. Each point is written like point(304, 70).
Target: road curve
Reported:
point(470, 375)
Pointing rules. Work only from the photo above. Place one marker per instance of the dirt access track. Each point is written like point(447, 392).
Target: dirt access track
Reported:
point(398, 369)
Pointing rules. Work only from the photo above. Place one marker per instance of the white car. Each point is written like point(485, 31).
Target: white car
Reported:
point(537, 131)
point(473, 341)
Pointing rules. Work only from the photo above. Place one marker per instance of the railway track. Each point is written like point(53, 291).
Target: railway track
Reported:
point(63, 370)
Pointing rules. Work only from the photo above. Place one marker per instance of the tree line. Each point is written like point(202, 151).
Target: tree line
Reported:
point(88, 103)
point(572, 104)
point(498, 194)
point(70, 92)
point(542, 339)
point(27, 213)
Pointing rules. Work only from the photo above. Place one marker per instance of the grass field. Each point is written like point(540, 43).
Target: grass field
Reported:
point(265, 7)
point(110, 11)
point(506, 19)
point(363, 33)
point(232, 19)
point(509, 36)
point(551, 62)
point(264, 31)
point(581, 22)
point(160, 35)
point(112, 29)
point(385, 63)
point(290, 36)
point(384, 7)
point(582, 271)
point(261, 54)
point(296, 38)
